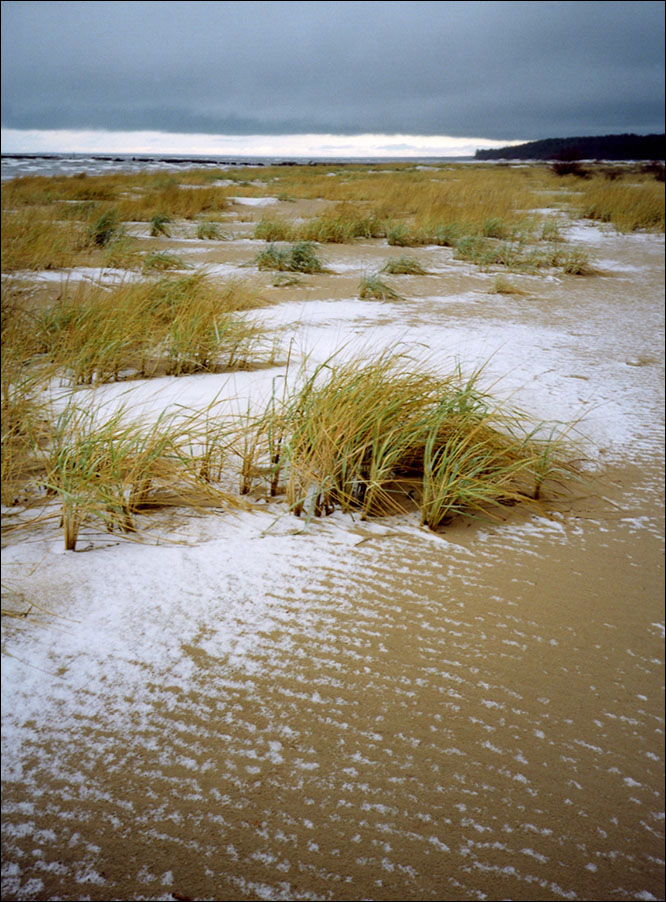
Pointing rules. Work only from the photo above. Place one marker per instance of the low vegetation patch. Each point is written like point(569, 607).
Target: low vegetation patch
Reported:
point(209, 231)
point(404, 266)
point(159, 225)
point(163, 260)
point(301, 257)
point(114, 470)
point(373, 288)
point(628, 207)
point(173, 326)
point(501, 285)
point(367, 436)
point(274, 230)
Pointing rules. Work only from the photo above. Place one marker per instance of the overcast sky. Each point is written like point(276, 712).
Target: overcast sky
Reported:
point(500, 71)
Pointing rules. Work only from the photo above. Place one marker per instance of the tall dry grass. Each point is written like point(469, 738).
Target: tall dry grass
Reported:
point(23, 408)
point(113, 470)
point(34, 239)
point(172, 326)
point(354, 435)
point(627, 206)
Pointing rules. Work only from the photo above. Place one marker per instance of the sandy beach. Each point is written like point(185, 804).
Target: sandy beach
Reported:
point(245, 705)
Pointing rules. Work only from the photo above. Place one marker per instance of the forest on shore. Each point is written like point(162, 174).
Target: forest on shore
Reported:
point(601, 147)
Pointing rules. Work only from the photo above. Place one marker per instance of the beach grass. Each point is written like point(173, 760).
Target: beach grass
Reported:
point(404, 265)
point(356, 433)
point(112, 470)
point(159, 225)
point(353, 436)
point(374, 288)
point(208, 230)
point(163, 260)
point(36, 239)
point(628, 207)
point(300, 257)
point(176, 325)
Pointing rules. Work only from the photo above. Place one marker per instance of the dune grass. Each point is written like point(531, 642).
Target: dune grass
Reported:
point(209, 231)
point(355, 432)
point(142, 197)
point(501, 285)
point(174, 326)
point(374, 288)
point(629, 207)
point(159, 225)
point(104, 228)
point(370, 437)
point(274, 230)
point(24, 412)
point(164, 260)
point(36, 239)
point(404, 265)
point(111, 471)
point(485, 213)
point(300, 257)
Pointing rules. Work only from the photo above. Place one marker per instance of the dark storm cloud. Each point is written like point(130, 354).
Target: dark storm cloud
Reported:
point(494, 69)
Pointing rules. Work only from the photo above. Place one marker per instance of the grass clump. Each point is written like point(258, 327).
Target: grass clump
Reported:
point(286, 280)
point(574, 262)
point(571, 261)
point(628, 207)
point(495, 227)
point(173, 326)
point(34, 239)
point(364, 436)
point(373, 288)
point(209, 231)
point(441, 234)
point(105, 228)
point(501, 285)
point(398, 235)
point(159, 225)
point(273, 230)
point(550, 231)
point(342, 226)
point(113, 470)
point(301, 257)
point(163, 260)
point(486, 252)
point(404, 266)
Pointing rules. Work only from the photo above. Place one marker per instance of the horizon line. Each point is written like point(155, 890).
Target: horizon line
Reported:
point(90, 141)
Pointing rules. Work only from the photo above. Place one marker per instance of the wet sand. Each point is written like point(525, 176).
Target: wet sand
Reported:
point(368, 710)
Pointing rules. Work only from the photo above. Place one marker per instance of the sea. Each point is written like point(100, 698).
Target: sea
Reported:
point(16, 165)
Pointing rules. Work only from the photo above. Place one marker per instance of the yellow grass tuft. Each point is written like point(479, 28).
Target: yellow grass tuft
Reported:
point(355, 434)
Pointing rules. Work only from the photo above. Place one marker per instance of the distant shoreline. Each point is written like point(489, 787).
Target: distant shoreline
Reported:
point(17, 164)
point(228, 160)
point(610, 148)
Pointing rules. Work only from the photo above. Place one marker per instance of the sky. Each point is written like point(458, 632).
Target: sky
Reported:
point(334, 78)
